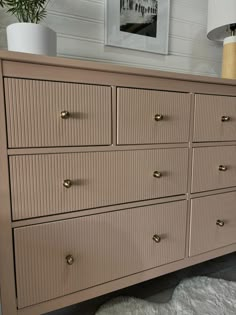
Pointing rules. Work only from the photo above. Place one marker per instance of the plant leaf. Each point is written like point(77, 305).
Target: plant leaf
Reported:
point(32, 11)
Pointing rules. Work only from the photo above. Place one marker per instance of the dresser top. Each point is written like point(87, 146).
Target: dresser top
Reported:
point(98, 66)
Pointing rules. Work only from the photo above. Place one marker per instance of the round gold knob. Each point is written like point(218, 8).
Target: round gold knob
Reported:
point(156, 238)
point(67, 183)
point(157, 174)
point(70, 260)
point(225, 118)
point(65, 114)
point(158, 117)
point(220, 223)
point(222, 168)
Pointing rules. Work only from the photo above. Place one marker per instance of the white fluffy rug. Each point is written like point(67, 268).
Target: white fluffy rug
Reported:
point(196, 296)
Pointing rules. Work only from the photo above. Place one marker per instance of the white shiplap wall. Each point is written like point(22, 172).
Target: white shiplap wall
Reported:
point(80, 28)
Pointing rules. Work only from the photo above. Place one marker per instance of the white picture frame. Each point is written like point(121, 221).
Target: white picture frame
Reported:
point(138, 24)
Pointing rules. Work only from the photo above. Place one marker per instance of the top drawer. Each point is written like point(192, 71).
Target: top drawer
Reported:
point(215, 118)
point(35, 114)
point(146, 116)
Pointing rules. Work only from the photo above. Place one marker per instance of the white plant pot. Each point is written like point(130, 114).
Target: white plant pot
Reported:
point(32, 38)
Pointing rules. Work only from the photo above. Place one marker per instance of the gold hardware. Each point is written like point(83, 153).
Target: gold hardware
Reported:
point(225, 118)
point(70, 260)
point(220, 223)
point(65, 114)
point(158, 117)
point(67, 183)
point(156, 238)
point(222, 168)
point(157, 174)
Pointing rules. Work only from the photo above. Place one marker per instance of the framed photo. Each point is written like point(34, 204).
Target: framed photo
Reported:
point(138, 24)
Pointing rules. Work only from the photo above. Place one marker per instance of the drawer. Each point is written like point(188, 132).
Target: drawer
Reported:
point(213, 168)
point(48, 114)
point(215, 118)
point(103, 248)
point(213, 223)
point(95, 179)
point(146, 116)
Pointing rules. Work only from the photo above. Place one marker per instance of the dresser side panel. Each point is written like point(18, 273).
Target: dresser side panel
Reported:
point(7, 281)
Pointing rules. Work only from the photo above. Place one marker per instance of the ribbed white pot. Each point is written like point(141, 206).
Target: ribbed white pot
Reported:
point(32, 38)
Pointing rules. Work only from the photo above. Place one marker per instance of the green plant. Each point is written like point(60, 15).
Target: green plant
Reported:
point(32, 11)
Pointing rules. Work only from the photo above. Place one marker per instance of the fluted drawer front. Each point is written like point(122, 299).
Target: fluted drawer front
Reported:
point(47, 114)
point(146, 116)
point(215, 118)
point(213, 168)
point(213, 222)
point(96, 179)
point(103, 247)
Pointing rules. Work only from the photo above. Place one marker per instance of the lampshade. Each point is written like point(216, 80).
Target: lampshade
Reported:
point(221, 13)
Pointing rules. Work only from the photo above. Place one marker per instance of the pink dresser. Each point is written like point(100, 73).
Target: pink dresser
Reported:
point(109, 176)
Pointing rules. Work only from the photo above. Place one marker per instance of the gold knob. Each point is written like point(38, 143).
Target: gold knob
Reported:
point(222, 168)
point(225, 118)
point(65, 114)
point(67, 183)
point(157, 174)
point(220, 223)
point(156, 238)
point(158, 117)
point(70, 260)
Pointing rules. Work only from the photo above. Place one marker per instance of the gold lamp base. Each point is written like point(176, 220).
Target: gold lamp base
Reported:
point(229, 58)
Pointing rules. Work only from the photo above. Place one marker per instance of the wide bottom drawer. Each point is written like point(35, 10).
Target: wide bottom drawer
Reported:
point(62, 257)
point(213, 223)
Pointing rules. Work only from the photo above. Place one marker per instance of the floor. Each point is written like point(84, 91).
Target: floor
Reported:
point(160, 289)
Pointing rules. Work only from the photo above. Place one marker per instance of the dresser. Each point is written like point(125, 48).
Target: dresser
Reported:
point(109, 176)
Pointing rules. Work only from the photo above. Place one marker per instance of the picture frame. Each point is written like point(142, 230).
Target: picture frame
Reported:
point(138, 24)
